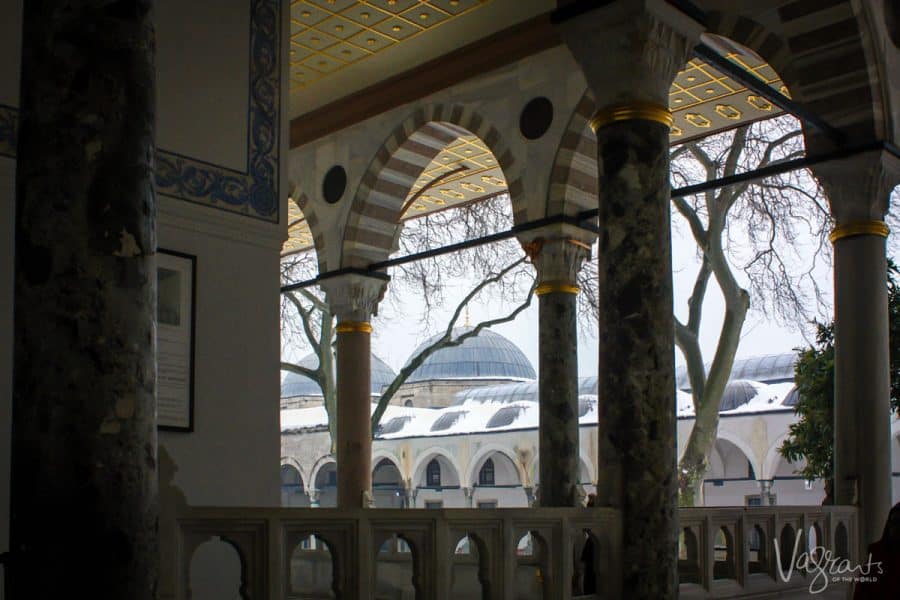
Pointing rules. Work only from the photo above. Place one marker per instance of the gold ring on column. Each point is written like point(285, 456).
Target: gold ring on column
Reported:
point(645, 111)
point(354, 327)
point(551, 287)
point(859, 228)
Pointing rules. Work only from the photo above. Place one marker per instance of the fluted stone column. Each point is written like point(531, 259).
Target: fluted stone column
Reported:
point(630, 53)
point(557, 261)
point(858, 190)
point(354, 299)
point(84, 503)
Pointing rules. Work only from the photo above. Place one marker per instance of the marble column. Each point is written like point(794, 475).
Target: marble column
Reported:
point(84, 500)
point(858, 190)
point(313, 498)
point(630, 53)
point(354, 299)
point(557, 262)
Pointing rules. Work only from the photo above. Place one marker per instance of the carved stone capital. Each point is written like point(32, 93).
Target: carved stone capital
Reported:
point(354, 297)
point(859, 188)
point(557, 260)
point(631, 51)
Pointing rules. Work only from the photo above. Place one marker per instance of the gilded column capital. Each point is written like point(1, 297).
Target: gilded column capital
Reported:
point(631, 51)
point(859, 187)
point(354, 298)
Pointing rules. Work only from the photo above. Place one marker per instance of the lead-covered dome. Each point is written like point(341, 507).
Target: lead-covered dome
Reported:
point(487, 355)
point(300, 385)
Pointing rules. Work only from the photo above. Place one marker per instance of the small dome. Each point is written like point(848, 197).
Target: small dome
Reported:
point(295, 384)
point(737, 393)
point(792, 398)
point(486, 355)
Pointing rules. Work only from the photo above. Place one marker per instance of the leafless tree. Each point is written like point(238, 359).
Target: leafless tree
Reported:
point(496, 271)
point(749, 229)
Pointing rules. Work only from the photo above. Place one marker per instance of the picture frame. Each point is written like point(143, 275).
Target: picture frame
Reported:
point(176, 275)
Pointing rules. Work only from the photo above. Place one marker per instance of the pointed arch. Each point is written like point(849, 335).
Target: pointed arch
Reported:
point(423, 458)
point(321, 463)
point(384, 454)
point(483, 454)
point(292, 462)
point(373, 223)
point(744, 446)
point(821, 36)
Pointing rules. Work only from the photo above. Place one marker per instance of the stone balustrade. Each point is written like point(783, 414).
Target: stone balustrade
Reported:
point(550, 553)
point(743, 552)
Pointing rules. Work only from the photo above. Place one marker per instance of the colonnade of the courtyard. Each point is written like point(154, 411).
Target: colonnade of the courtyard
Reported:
point(637, 459)
point(630, 53)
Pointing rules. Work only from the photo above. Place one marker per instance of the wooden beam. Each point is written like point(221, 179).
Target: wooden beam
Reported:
point(495, 51)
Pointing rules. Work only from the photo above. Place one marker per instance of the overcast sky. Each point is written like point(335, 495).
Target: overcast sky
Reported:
point(396, 336)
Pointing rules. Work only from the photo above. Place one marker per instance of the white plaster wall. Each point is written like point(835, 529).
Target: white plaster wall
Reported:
point(232, 456)
point(202, 73)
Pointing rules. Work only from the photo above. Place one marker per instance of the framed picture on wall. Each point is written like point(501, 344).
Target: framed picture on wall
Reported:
point(176, 284)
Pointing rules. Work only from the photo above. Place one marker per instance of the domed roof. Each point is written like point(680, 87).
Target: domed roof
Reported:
point(300, 385)
point(737, 393)
point(486, 355)
point(771, 368)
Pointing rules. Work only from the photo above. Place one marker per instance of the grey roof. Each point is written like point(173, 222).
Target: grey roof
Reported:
point(446, 420)
point(504, 416)
point(585, 405)
point(526, 391)
point(488, 354)
point(300, 385)
point(792, 398)
point(394, 425)
point(771, 368)
point(737, 393)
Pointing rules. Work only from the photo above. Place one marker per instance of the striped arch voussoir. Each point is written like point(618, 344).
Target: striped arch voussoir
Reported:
point(573, 180)
point(825, 61)
point(373, 223)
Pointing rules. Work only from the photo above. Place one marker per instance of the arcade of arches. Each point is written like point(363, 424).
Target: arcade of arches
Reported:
point(211, 132)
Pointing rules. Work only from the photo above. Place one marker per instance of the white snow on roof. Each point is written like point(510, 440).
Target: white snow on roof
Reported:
point(768, 398)
point(475, 414)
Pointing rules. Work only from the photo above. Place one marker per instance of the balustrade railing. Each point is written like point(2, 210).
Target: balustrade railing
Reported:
point(734, 552)
point(508, 553)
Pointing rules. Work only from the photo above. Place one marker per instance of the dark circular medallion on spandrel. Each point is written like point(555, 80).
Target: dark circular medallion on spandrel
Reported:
point(334, 184)
point(536, 118)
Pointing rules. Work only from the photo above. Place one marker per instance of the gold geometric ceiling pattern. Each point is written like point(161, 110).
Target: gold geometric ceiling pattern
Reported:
point(299, 235)
point(702, 100)
point(465, 171)
point(329, 35)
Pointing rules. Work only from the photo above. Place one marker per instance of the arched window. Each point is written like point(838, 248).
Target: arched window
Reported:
point(486, 474)
point(433, 474)
point(291, 486)
point(290, 479)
